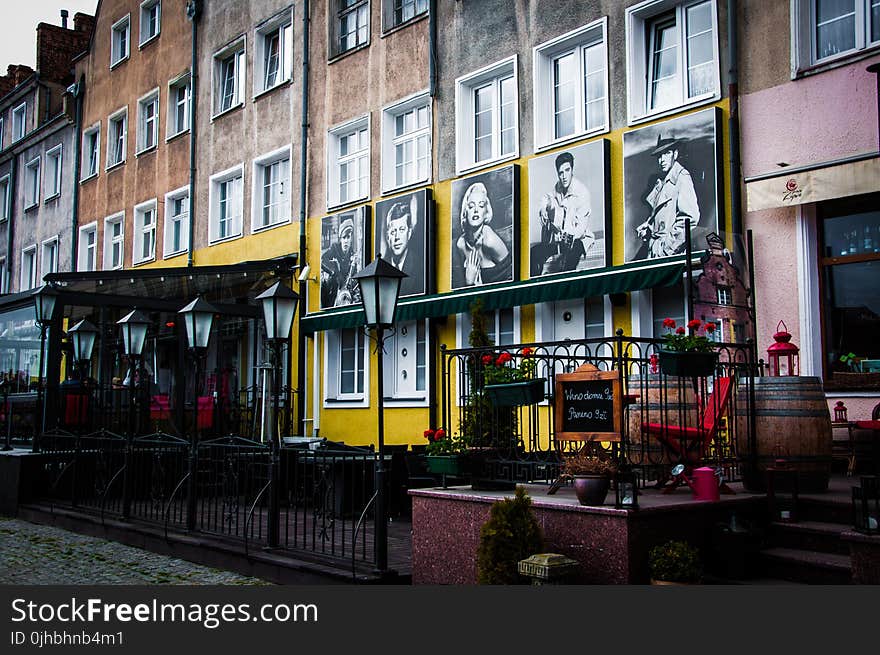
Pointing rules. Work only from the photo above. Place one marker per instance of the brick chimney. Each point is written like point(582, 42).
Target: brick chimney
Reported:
point(15, 75)
point(83, 23)
point(57, 46)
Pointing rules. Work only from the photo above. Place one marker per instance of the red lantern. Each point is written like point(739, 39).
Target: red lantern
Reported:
point(782, 357)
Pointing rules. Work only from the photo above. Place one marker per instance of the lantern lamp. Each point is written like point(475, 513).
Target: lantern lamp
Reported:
point(134, 332)
point(279, 307)
point(626, 489)
point(380, 286)
point(82, 338)
point(866, 505)
point(782, 357)
point(44, 303)
point(198, 317)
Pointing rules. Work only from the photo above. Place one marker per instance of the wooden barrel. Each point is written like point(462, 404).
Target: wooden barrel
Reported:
point(792, 422)
point(650, 403)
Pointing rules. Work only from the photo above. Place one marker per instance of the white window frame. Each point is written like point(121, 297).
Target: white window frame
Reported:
point(116, 56)
point(390, 142)
point(5, 197)
point(804, 50)
point(419, 8)
point(236, 49)
point(170, 219)
point(282, 27)
point(338, 12)
point(32, 177)
point(53, 177)
point(29, 281)
point(19, 122)
point(113, 119)
point(110, 242)
point(638, 20)
point(215, 198)
point(173, 128)
point(86, 154)
point(333, 397)
point(52, 243)
point(145, 131)
point(85, 260)
point(257, 204)
point(142, 231)
point(575, 42)
point(335, 161)
point(462, 333)
point(146, 6)
point(394, 345)
point(465, 86)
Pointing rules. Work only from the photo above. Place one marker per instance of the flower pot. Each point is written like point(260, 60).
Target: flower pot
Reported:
point(448, 464)
point(591, 489)
point(511, 394)
point(687, 363)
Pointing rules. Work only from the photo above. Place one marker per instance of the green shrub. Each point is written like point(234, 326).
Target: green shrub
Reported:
point(511, 534)
point(675, 561)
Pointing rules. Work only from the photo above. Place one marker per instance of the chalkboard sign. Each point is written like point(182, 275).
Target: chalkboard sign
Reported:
point(587, 405)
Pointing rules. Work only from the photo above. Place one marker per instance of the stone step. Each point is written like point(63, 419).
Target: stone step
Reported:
point(806, 566)
point(816, 508)
point(809, 535)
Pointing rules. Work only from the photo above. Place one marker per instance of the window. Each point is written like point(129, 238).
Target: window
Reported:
point(352, 26)
point(87, 248)
point(667, 302)
point(2, 134)
point(572, 82)
point(53, 173)
point(4, 287)
point(274, 56)
point(725, 296)
point(91, 151)
point(486, 122)
point(406, 143)
point(117, 132)
point(144, 246)
point(503, 327)
point(19, 121)
point(346, 373)
point(32, 183)
point(398, 12)
point(28, 268)
point(151, 11)
point(348, 163)
point(119, 41)
point(114, 244)
point(229, 67)
point(49, 258)
point(4, 198)
point(179, 105)
point(672, 55)
point(226, 204)
point(406, 363)
point(271, 196)
point(176, 237)
point(829, 30)
point(148, 121)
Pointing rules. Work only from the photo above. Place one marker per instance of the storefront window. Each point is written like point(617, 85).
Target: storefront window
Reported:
point(20, 349)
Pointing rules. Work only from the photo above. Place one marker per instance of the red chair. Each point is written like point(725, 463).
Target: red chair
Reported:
point(690, 444)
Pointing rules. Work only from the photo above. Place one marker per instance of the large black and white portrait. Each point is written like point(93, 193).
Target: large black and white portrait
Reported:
point(568, 212)
point(344, 250)
point(402, 237)
point(670, 181)
point(483, 214)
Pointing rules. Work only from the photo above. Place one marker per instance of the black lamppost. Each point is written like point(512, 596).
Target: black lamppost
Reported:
point(44, 307)
point(198, 317)
point(82, 338)
point(379, 283)
point(279, 307)
point(133, 327)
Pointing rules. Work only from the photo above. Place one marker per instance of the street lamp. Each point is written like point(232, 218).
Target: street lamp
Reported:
point(44, 308)
point(279, 306)
point(380, 286)
point(82, 337)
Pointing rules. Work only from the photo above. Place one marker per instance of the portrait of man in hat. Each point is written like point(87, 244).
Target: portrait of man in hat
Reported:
point(342, 259)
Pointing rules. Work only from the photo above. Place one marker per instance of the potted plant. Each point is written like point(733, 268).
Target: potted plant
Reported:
point(445, 453)
point(511, 534)
point(675, 562)
point(507, 384)
point(590, 475)
point(686, 352)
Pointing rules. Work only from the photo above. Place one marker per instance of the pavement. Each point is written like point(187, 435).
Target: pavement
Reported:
point(32, 554)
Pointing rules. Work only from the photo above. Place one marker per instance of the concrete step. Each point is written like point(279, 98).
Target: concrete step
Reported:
point(816, 536)
point(806, 566)
point(825, 510)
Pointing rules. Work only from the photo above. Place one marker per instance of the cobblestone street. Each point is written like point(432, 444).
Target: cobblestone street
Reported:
point(34, 554)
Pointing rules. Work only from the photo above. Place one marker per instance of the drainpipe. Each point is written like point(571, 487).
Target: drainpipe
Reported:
point(432, 322)
point(303, 285)
point(193, 10)
point(78, 89)
point(13, 174)
point(736, 222)
point(432, 50)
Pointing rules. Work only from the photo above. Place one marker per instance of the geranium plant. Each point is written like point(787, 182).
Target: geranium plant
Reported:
point(680, 339)
point(501, 369)
point(441, 443)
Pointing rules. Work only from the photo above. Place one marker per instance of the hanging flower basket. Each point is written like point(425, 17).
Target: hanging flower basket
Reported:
point(687, 364)
point(511, 394)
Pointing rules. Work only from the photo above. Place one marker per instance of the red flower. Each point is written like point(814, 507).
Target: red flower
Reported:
point(487, 359)
point(527, 351)
point(668, 323)
point(679, 330)
point(694, 323)
point(503, 358)
point(440, 434)
point(429, 433)
point(710, 327)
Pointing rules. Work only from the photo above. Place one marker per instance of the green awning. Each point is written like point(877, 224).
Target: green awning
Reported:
point(583, 284)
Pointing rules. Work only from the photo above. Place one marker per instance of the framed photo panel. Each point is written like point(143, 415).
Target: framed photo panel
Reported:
point(345, 250)
point(484, 213)
point(403, 235)
point(671, 179)
point(569, 210)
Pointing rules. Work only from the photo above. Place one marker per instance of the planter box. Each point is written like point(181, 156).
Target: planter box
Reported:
point(448, 464)
point(511, 394)
point(687, 364)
